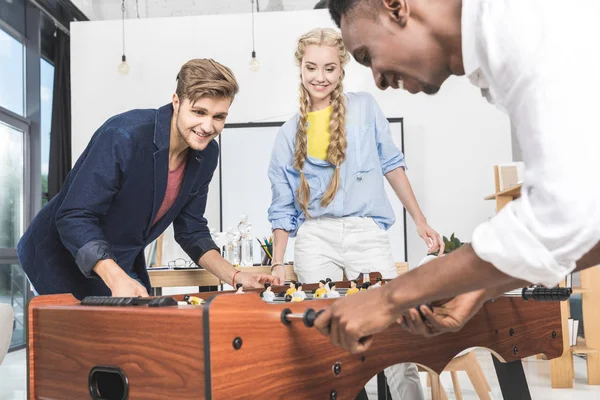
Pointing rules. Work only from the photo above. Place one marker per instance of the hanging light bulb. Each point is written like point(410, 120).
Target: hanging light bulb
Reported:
point(123, 67)
point(254, 65)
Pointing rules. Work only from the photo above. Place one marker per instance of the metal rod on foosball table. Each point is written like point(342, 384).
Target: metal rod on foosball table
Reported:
point(308, 317)
point(529, 293)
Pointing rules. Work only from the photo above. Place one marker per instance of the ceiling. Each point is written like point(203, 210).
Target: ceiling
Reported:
point(111, 9)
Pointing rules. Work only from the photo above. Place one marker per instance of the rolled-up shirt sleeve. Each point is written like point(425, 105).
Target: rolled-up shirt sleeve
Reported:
point(540, 236)
point(390, 155)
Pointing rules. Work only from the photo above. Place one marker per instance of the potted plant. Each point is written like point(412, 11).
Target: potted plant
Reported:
point(449, 245)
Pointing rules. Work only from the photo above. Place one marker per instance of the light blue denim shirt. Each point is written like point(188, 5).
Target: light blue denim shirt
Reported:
point(371, 153)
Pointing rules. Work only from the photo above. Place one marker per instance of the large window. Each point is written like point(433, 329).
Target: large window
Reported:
point(11, 184)
point(14, 139)
point(11, 77)
point(46, 90)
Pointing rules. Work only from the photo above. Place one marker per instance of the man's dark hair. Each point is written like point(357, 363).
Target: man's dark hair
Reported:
point(339, 8)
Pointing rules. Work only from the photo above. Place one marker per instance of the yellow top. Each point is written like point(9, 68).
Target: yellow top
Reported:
point(351, 291)
point(290, 291)
point(320, 292)
point(318, 133)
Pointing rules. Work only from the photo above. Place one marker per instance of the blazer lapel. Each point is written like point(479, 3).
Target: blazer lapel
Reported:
point(162, 136)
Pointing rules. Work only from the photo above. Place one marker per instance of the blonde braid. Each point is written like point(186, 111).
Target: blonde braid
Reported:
point(301, 150)
point(336, 152)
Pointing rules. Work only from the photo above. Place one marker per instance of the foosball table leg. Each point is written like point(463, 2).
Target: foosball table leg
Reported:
point(511, 377)
point(383, 390)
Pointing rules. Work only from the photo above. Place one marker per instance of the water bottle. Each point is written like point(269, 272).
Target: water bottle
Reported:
point(246, 243)
point(232, 248)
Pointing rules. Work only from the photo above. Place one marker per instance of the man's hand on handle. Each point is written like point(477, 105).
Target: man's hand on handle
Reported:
point(449, 316)
point(351, 322)
point(119, 283)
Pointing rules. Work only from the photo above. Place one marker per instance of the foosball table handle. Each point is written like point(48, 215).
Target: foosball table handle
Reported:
point(547, 294)
point(308, 317)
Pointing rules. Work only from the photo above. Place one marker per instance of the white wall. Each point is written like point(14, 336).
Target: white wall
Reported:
point(452, 139)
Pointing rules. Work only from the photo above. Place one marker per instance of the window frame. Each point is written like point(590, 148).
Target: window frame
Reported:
point(44, 195)
point(9, 255)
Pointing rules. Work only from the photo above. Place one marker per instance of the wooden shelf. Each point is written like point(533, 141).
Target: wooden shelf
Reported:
point(514, 192)
point(581, 348)
point(562, 374)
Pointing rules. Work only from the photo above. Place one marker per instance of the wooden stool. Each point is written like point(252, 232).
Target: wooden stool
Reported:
point(467, 363)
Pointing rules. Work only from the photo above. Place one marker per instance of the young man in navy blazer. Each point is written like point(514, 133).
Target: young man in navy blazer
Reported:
point(141, 171)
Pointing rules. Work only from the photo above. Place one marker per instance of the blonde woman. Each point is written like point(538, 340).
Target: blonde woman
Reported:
point(326, 173)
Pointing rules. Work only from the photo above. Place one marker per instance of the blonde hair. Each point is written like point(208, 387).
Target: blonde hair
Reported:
point(336, 152)
point(205, 77)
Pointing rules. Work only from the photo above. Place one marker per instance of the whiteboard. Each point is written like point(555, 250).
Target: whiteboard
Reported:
point(245, 186)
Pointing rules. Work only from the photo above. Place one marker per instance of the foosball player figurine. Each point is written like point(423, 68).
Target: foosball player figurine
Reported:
point(353, 288)
point(193, 300)
point(298, 295)
point(331, 292)
point(377, 283)
point(320, 291)
point(292, 288)
point(239, 288)
point(268, 294)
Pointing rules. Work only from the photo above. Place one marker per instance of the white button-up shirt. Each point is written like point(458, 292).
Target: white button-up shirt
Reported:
point(539, 60)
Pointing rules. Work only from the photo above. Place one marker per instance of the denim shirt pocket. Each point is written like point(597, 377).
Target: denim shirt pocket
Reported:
point(361, 143)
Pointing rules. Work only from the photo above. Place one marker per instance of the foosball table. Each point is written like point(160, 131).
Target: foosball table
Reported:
point(239, 346)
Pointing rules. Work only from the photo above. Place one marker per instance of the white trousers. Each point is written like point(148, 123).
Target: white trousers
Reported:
point(330, 247)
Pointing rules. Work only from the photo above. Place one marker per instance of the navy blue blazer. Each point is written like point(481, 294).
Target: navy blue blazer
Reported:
point(108, 202)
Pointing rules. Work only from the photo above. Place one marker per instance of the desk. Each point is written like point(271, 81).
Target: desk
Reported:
point(160, 278)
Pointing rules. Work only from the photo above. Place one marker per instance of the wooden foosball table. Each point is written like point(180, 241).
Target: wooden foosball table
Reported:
point(242, 347)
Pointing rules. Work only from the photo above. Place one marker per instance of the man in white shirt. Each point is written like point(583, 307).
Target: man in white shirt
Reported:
point(539, 61)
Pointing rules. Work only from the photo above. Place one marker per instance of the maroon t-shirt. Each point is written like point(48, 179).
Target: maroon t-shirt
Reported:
point(173, 187)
